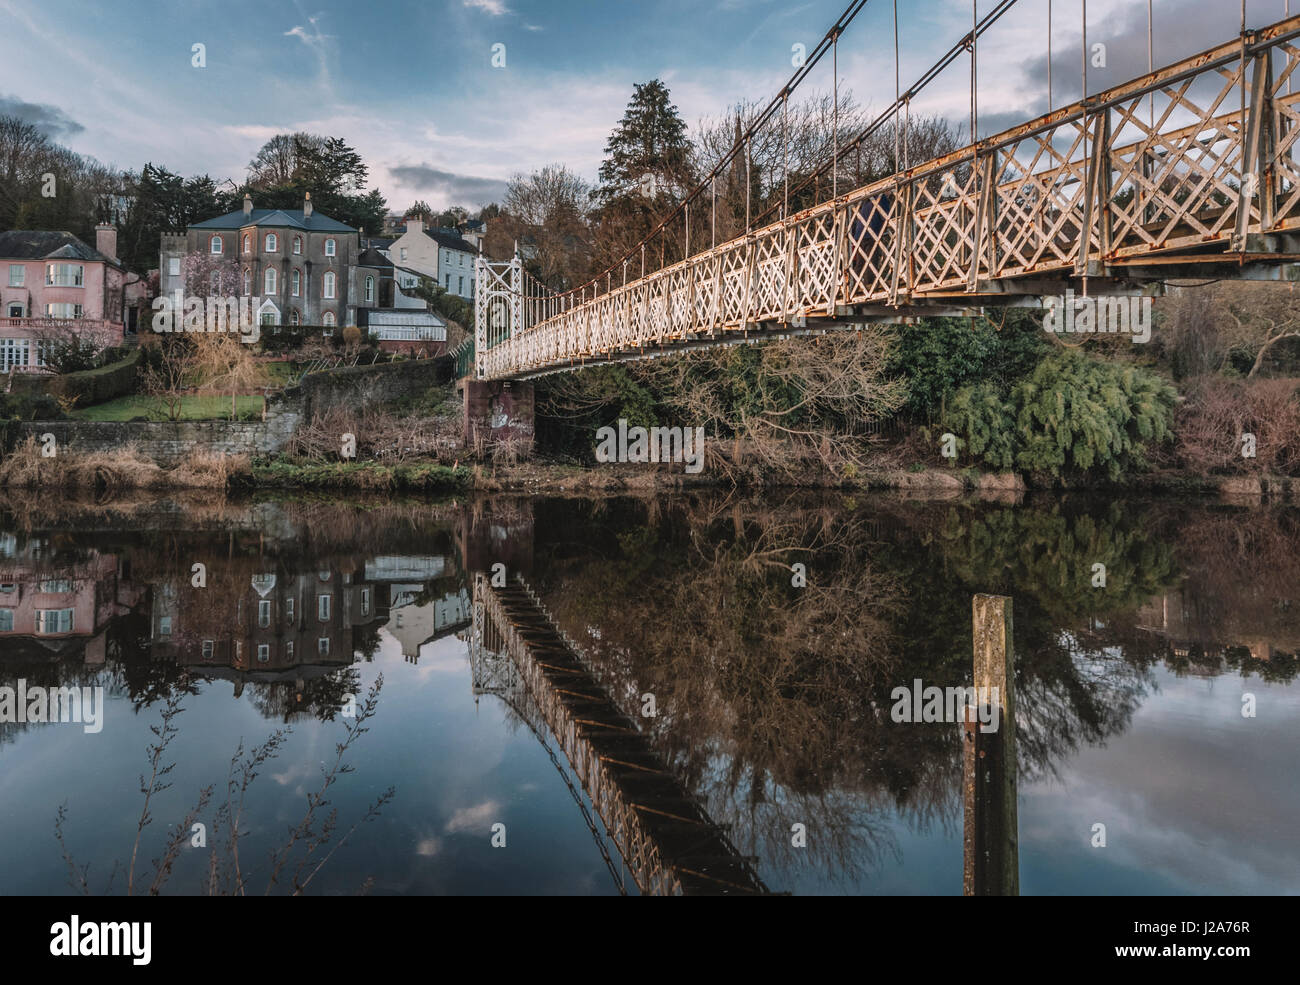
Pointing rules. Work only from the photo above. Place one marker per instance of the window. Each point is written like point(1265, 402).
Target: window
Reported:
point(297, 244)
point(269, 287)
point(460, 285)
point(370, 289)
point(329, 247)
point(53, 621)
point(164, 625)
point(264, 613)
point(17, 274)
point(248, 243)
point(288, 649)
point(462, 259)
point(365, 601)
point(6, 620)
point(288, 609)
point(328, 319)
point(57, 586)
point(13, 354)
point(64, 274)
point(295, 318)
point(214, 245)
point(323, 607)
point(63, 309)
point(327, 285)
point(8, 587)
point(209, 647)
point(271, 242)
point(295, 283)
point(248, 282)
point(403, 252)
point(323, 645)
point(16, 310)
point(263, 652)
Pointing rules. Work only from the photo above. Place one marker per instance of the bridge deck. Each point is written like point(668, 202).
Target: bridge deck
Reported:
point(1187, 167)
point(667, 840)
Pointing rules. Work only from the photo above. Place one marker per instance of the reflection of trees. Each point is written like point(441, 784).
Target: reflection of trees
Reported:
point(322, 697)
point(775, 700)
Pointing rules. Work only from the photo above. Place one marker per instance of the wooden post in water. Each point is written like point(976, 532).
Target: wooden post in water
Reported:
point(992, 860)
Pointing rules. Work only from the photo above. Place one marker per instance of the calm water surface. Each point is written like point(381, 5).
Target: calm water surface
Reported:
point(1162, 705)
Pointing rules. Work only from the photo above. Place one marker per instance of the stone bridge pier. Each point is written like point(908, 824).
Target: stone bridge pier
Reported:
point(498, 411)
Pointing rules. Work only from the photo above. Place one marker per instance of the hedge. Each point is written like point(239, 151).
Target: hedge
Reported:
point(91, 386)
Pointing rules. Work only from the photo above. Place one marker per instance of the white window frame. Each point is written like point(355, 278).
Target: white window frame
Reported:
point(330, 247)
point(270, 242)
point(17, 275)
point(327, 286)
point(215, 246)
point(324, 607)
point(269, 282)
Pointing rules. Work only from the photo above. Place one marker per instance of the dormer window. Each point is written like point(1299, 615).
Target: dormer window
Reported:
point(214, 245)
point(271, 242)
point(329, 247)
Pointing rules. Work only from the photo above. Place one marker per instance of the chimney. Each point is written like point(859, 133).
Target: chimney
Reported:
point(248, 204)
point(306, 205)
point(415, 223)
point(106, 240)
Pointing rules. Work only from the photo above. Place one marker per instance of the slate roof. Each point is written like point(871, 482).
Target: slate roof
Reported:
point(314, 223)
point(41, 244)
point(373, 258)
point(450, 239)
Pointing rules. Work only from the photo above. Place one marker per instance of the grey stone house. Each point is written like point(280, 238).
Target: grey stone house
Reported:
point(305, 267)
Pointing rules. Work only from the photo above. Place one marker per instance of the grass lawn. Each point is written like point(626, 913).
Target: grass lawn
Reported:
point(193, 408)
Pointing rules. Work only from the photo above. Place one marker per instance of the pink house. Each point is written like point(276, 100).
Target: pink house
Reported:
point(52, 285)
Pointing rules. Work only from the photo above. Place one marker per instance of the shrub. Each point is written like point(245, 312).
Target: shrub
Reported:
point(1072, 415)
point(1218, 412)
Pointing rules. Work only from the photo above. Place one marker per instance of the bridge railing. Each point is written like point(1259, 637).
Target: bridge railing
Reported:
point(1196, 155)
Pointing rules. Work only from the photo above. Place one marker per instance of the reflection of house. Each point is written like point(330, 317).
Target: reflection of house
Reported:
point(54, 604)
point(271, 622)
point(414, 624)
point(1169, 616)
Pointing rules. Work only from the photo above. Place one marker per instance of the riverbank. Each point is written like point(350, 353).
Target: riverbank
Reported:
point(27, 468)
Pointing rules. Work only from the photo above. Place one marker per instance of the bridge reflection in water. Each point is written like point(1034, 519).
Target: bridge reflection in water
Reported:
point(668, 843)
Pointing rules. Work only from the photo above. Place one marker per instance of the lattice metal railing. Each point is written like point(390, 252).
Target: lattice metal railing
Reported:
point(1196, 156)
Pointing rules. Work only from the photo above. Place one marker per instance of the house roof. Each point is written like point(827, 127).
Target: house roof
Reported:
point(42, 244)
point(450, 239)
point(371, 257)
point(314, 223)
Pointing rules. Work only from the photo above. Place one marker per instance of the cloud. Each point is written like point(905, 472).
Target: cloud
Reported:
point(473, 818)
point(462, 188)
point(49, 120)
point(317, 42)
point(494, 7)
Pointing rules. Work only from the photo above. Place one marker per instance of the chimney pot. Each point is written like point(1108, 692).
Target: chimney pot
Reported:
point(248, 204)
point(306, 205)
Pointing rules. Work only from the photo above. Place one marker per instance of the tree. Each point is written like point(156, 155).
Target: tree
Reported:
point(546, 212)
point(650, 139)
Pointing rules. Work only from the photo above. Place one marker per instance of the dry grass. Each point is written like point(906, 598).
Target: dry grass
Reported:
point(110, 472)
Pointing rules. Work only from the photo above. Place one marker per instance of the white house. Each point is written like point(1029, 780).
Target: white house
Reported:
point(439, 253)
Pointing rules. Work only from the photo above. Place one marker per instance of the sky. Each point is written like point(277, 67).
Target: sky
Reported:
point(411, 85)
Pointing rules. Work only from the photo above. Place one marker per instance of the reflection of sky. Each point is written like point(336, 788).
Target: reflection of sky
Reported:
point(1196, 799)
point(457, 769)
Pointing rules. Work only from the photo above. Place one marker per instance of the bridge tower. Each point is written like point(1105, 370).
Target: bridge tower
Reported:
point(497, 410)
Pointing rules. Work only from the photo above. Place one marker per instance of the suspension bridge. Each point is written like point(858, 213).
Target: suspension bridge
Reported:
point(1186, 171)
